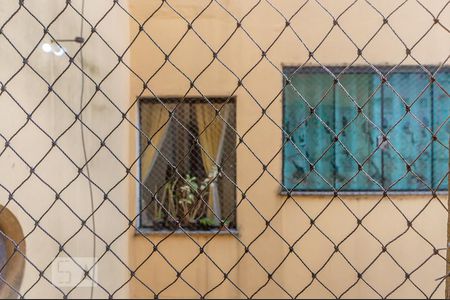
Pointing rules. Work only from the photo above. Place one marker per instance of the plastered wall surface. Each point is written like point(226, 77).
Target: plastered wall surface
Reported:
point(49, 224)
point(237, 55)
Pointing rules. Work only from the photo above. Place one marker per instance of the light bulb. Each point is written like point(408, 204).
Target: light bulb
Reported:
point(58, 51)
point(47, 48)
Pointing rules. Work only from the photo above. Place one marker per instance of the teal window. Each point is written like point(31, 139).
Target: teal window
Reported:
point(363, 133)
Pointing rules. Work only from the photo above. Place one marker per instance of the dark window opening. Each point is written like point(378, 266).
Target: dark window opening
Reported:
point(190, 166)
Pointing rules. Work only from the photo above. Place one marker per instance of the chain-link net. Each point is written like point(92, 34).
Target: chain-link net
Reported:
point(224, 149)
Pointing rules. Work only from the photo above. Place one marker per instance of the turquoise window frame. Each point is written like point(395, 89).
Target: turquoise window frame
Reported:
point(385, 102)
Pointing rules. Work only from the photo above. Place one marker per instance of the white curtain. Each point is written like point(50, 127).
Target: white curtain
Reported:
point(212, 134)
point(155, 122)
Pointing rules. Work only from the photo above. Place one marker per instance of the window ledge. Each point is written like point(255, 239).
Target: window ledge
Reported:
point(361, 193)
point(148, 231)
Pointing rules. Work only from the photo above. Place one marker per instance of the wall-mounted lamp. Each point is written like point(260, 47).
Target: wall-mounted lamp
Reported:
point(55, 48)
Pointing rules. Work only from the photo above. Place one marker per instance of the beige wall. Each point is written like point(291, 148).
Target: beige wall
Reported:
point(34, 198)
point(264, 83)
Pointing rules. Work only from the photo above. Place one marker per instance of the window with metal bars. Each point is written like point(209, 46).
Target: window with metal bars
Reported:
point(188, 163)
point(357, 130)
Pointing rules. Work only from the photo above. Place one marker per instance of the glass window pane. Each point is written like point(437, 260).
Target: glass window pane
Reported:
point(193, 138)
point(312, 141)
point(358, 132)
point(441, 115)
point(410, 140)
point(384, 109)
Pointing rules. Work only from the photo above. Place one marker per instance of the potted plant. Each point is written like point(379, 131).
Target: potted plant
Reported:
point(171, 204)
point(158, 215)
point(184, 202)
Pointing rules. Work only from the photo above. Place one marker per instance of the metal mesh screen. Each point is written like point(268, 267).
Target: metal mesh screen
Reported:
point(224, 149)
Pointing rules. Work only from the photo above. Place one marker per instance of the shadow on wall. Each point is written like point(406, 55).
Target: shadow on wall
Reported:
point(12, 253)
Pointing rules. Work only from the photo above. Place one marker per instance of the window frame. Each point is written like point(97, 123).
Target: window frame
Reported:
point(3, 251)
point(381, 70)
point(141, 228)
